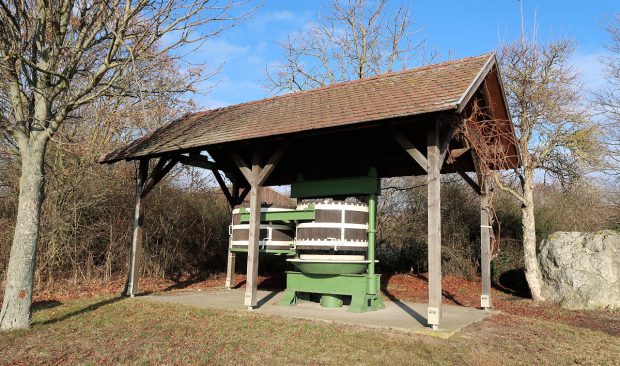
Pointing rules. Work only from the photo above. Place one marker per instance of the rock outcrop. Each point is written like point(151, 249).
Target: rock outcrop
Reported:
point(582, 270)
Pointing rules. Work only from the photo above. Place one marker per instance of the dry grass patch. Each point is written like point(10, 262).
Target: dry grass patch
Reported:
point(119, 331)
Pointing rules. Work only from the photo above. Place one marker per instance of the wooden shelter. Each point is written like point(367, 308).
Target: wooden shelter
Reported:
point(402, 124)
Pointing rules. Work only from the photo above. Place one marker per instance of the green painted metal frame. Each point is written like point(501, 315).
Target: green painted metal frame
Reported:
point(284, 216)
point(363, 289)
point(353, 186)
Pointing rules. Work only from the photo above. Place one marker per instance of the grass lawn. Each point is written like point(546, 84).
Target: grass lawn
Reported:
point(109, 330)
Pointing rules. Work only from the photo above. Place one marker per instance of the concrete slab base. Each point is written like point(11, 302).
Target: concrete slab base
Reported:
point(398, 315)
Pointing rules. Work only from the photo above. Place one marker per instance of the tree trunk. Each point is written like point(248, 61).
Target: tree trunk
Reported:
point(533, 274)
point(15, 313)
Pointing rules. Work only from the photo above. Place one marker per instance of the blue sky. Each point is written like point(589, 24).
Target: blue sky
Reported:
point(452, 28)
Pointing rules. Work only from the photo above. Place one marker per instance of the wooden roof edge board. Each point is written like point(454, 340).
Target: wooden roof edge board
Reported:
point(282, 137)
point(150, 145)
point(475, 84)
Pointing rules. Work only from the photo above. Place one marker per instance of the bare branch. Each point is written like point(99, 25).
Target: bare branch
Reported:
point(356, 39)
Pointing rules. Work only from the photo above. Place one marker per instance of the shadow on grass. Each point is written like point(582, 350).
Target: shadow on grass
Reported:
point(45, 304)
point(87, 309)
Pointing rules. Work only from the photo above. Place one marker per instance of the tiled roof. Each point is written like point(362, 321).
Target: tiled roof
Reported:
point(426, 89)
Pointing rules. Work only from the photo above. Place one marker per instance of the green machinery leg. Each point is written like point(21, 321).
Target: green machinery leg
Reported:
point(362, 288)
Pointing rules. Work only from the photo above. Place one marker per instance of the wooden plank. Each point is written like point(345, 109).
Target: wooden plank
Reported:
point(411, 149)
point(271, 164)
point(485, 251)
point(254, 236)
point(470, 181)
point(434, 228)
point(133, 277)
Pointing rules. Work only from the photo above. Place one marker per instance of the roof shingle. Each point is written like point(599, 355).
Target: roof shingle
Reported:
point(411, 92)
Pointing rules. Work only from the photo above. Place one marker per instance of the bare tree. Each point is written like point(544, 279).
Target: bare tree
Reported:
point(356, 39)
point(554, 132)
point(58, 56)
point(608, 97)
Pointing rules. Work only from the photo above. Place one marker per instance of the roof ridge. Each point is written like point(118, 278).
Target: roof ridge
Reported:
point(350, 82)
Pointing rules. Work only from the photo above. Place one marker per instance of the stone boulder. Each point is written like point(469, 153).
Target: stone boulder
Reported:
point(582, 270)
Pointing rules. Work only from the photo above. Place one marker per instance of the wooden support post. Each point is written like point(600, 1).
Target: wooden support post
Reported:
point(230, 270)
point(254, 236)
point(433, 157)
point(485, 249)
point(232, 257)
point(138, 231)
point(256, 177)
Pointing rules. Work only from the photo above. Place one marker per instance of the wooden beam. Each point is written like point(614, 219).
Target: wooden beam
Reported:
point(485, 250)
point(235, 191)
point(198, 161)
point(163, 167)
point(244, 194)
point(224, 188)
point(476, 162)
point(271, 164)
point(470, 181)
point(455, 153)
point(434, 227)
point(161, 163)
point(254, 237)
point(133, 277)
point(243, 168)
point(444, 123)
point(410, 148)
